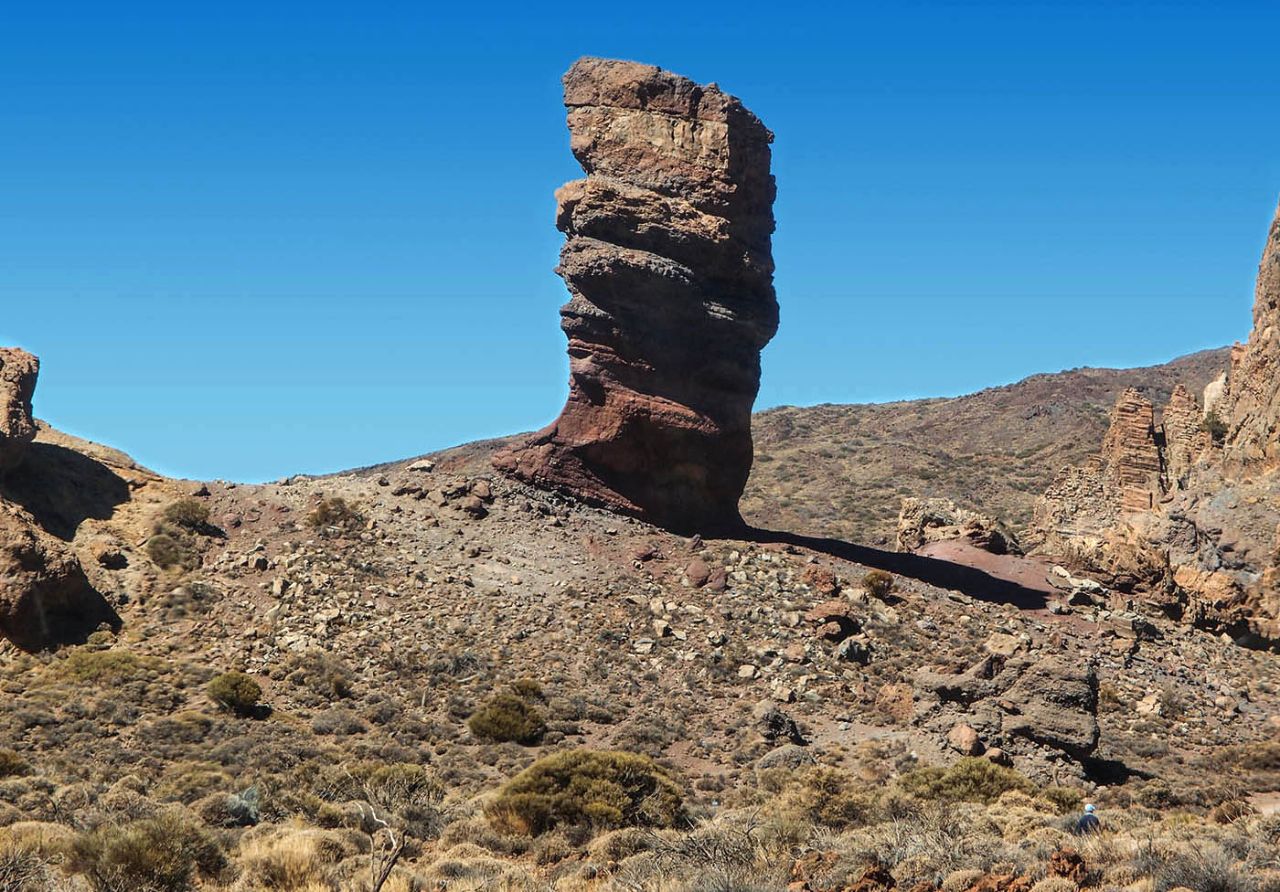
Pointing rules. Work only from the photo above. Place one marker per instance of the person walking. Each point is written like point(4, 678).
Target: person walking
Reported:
point(1088, 822)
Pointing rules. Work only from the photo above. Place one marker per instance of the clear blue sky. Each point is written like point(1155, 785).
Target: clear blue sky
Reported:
point(255, 239)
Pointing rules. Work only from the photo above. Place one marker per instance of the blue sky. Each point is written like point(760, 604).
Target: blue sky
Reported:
point(249, 240)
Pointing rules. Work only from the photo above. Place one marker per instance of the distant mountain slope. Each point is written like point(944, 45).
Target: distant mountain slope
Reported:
point(840, 470)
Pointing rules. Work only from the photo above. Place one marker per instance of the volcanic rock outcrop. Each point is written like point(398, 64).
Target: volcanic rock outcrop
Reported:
point(668, 266)
point(18, 371)
point(1040, 710)
point(921, 521)
point(1250, 407)
point(45, 596)
point(1185, 508)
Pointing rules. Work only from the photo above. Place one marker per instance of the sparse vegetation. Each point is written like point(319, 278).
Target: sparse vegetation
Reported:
point(175, 538)
point(334, 514)
point(600, 790)
point(1214, 426)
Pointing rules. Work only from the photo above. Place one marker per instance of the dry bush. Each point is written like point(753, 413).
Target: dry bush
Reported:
point(320, 674)
point(293, 858)
point(828, 797)
point(235, 691)
point(190, 513)
point(22, 870)
point(12, 764)
point(334, 515)
point(878, 583)
point(166, 852)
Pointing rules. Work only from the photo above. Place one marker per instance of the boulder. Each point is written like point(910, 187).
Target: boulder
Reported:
point(18, 372)
point(834, 619)
point(964, 740)
point(1054, 702)
point(668, 264)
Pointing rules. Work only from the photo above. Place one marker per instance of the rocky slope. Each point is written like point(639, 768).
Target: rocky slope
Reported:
point(667, 261)
point(1184, 507)
point(378, 625)
point(843, 470)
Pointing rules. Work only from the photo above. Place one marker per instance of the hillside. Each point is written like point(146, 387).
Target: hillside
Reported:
point(802, 719)
point(841, 470)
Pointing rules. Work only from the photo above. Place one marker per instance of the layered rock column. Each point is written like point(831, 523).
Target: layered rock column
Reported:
point(668, 266)
point(1132, 454)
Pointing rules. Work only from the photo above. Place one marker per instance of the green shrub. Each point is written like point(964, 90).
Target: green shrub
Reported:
point(1065, 799)
point(878, 583)
point(507, 717)
point(12, 765)
point(165, 852)
point(969, 780)
point(1215, 426)
point(189, 513)
point(235, 691)
point(596, 789)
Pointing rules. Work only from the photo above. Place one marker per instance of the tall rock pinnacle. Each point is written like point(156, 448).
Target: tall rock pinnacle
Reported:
point(18, 371)
point(1251, 406)
point(670, 276)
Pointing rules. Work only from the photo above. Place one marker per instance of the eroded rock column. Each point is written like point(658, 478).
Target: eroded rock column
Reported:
point(670, 276)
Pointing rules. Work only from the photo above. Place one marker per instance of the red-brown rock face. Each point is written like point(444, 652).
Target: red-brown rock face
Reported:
point(45, 598)
point(667, 261)
point(18, 371)
point(1251, 405)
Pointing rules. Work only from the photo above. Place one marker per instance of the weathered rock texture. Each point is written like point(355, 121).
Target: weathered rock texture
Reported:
point(1251, 404)
point(1036, 709)
point(1186, 439)
point(668, 265)
point(1131, 453)
point(1191, 524)
point(18, 371)
point(921, 521)
point(45, 597)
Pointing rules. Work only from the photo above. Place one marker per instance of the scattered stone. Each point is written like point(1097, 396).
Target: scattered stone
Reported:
point(698, 573)
point(964, 740)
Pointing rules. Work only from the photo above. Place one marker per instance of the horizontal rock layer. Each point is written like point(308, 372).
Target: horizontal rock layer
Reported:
point(668, 266)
